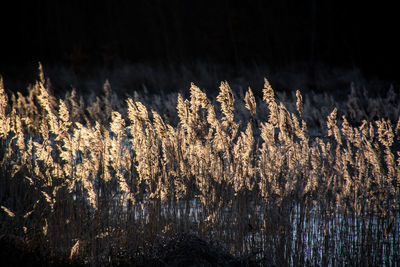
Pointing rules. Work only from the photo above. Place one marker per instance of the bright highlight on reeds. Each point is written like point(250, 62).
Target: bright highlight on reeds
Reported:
point(92, 169)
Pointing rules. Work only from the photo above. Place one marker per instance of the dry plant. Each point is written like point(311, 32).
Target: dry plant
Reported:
point(94, 179)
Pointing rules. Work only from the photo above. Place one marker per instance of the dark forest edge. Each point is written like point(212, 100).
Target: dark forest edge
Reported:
point(341, 34)
point(159, 77)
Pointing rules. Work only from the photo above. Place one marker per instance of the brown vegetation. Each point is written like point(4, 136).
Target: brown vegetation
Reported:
point(94, 180)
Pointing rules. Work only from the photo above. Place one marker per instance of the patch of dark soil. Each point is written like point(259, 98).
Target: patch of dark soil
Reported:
point(15, 252)
point(190, 250)
point(172, 250)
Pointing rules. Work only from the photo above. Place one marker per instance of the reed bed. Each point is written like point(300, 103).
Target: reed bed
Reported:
point(101, 180)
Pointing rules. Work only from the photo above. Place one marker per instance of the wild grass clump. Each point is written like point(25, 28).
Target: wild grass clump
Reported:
point(95, 179)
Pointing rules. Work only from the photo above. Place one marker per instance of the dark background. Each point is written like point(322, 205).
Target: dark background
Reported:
point(83, 35)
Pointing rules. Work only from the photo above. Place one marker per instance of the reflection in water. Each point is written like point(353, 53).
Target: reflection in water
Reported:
point(289, 234)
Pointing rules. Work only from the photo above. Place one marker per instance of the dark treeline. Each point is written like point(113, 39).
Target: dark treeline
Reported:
point(87, 33)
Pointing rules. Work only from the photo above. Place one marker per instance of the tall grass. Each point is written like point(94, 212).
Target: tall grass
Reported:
point(96, 179)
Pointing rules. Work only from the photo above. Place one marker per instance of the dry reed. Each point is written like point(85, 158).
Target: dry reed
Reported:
point(90, 180)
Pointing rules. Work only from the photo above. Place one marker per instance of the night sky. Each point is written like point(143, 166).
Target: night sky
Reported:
point(87, 34)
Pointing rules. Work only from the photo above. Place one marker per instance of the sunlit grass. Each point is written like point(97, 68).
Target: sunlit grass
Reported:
point(93, 179)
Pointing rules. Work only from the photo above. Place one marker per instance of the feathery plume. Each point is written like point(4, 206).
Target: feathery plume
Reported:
point(225, 97)
point(299, 103)
point(269, 97)
point(250, 102)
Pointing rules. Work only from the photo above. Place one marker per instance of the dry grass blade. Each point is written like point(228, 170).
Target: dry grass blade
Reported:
point(6, 210)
